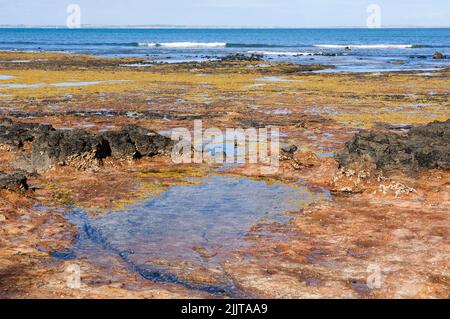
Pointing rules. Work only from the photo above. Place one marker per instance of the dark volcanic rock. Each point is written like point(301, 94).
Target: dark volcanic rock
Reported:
point(55, 147)
point(438, 56)
point(51, 147)
point(120, 144)
point(425, 146)
point(291, 149)
point(243, 57)
point(14, 134)
point(13, 180)
point(147, 143)
point(135, 141)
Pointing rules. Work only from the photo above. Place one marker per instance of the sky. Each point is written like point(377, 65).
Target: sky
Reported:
point(232, 13)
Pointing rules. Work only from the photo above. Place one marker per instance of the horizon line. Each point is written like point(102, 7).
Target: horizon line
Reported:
point(169, 26)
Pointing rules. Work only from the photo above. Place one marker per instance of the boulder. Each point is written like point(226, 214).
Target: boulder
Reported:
point(15, 134)
point(51, 147)
point(438, 56)
point(120, 144)
point(425, 146)
point(135, 141)
point(147, 143)
point(291, 149)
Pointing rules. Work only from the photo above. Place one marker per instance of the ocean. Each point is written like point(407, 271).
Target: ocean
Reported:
point(350, 50)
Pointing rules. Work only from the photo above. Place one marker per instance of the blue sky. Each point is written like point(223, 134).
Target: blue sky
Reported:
point(287, 13)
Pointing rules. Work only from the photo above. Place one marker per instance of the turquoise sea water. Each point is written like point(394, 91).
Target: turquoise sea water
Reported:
point(350, 49)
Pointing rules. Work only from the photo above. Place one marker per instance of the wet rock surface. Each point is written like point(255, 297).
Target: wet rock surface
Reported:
point(52, 147)
point(243, 57)
point(422, 147)
point(100, 114)
point(289, 148)
point(395, 219)
point(439, 56)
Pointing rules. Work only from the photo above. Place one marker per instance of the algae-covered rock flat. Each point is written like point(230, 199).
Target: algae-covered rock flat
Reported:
point(87, 181)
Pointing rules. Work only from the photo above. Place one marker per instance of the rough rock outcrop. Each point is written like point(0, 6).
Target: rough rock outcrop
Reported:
point(13, 135)
point(439, 56)
point(13, 181)
point(425, 146)
point(135, 141)
point(59, 147)
point(243, 57)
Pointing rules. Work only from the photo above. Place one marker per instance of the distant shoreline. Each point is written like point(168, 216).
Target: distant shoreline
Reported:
point(210, 27)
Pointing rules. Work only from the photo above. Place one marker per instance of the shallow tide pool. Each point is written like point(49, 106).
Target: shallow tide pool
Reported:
point(6, 77)
point(197, 226)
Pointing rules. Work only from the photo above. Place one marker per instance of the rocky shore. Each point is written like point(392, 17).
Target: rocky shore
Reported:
point(51, 147)
point(420, 147)
point(372, 150)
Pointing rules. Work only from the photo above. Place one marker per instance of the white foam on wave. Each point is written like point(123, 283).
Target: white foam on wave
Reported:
point(280, 53)
point(183, 44)
point(364, 46)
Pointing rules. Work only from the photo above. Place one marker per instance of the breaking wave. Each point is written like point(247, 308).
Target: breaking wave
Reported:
point(207, 45)
point(183, 44)
point(188, 44)
point(365, 46)
point(281, 53)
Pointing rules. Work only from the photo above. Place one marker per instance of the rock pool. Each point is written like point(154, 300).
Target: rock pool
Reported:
point(187, 228)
